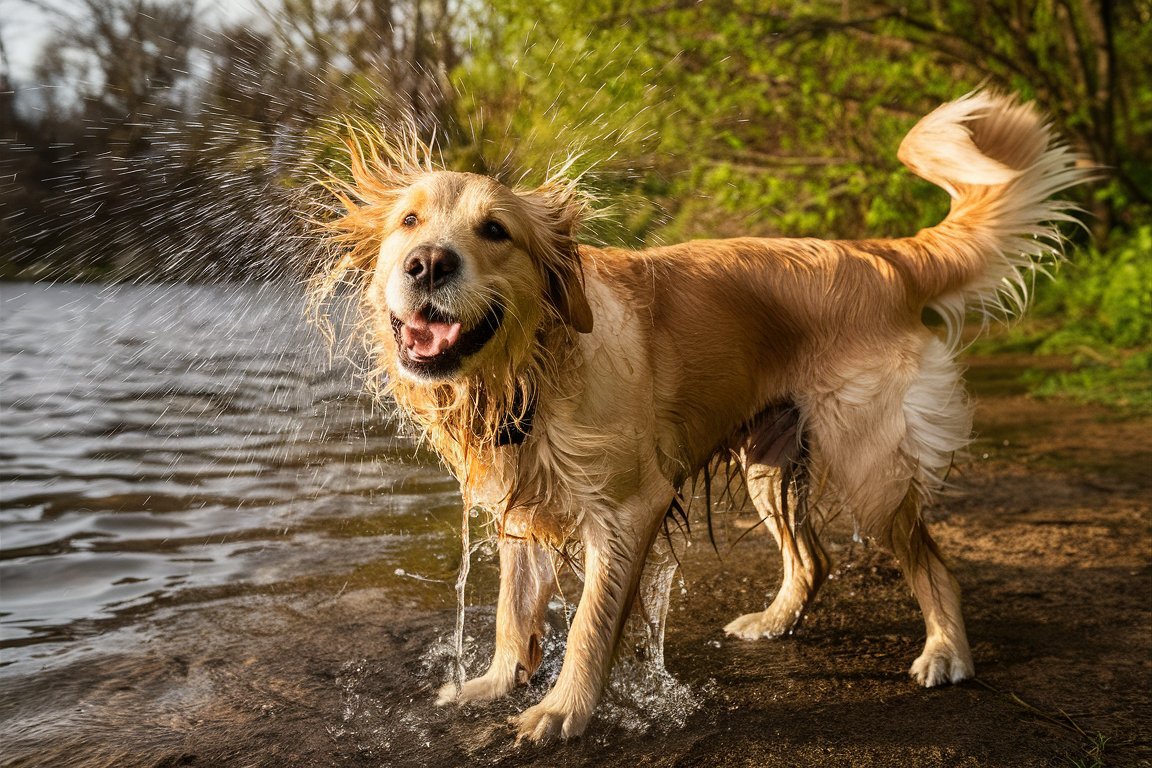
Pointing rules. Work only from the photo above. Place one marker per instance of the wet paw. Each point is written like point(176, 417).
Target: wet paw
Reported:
point(941, 663)
point(544, 722)
point(481, 689)
point(766, 624)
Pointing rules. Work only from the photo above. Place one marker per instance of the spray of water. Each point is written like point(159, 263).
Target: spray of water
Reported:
point(466, 551)
point(208, 180)
point(641, 693)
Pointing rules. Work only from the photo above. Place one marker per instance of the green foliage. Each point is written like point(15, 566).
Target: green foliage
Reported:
point(707, 120)
point(1103, 297)
point(783, 118)
point(532, 96)
point(1096, 313)
point(1125, 382)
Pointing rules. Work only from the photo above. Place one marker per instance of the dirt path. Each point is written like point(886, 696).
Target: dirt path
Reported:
point(1051, 542)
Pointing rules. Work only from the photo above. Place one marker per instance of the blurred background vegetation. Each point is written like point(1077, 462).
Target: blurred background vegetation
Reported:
point(150, 143)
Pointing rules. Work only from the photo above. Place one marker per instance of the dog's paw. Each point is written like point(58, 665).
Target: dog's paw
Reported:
point(941, 663)
point(766, 624)
point(484, 688)
point(545, 722)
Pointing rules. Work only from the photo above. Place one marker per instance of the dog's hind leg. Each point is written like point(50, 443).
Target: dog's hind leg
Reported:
point(806, 564)
point(879, 443)
point(527, 583)
point(946, 657)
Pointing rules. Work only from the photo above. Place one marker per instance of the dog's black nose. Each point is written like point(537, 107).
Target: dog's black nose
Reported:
point(431, 265)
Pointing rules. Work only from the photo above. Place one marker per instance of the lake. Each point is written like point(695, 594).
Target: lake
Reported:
point(162, 445)
point(192, 480)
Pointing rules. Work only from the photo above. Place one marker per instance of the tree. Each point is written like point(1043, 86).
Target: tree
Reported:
point(122, 65)
point(784, 117)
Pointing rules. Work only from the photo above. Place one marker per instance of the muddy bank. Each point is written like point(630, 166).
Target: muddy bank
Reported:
point(1051, 541)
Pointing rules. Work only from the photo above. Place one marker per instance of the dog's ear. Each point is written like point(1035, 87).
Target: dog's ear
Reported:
point(567, 295)
point(558, 207)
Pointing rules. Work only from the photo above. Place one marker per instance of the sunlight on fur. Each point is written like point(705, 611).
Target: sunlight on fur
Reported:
point(573, 391)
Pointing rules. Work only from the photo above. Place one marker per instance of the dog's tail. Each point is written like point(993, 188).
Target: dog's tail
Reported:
point(1000, 162)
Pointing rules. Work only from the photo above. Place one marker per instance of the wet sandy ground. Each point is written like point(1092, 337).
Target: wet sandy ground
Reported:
point(1051, 542)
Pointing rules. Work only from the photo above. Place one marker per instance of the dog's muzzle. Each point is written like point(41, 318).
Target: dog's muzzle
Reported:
point(433, 344)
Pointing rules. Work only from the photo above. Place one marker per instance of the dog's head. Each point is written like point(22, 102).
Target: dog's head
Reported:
point(464, 272)
point(467, 266)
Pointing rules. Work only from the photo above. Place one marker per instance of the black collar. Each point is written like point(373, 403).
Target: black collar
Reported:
point(513, 431)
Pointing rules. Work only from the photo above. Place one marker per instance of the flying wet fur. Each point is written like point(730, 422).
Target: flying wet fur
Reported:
point(622, 374)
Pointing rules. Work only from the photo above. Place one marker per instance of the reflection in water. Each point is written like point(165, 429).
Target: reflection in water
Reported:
point(166, 444)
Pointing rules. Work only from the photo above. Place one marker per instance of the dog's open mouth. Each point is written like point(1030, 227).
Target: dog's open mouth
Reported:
point(434, 343)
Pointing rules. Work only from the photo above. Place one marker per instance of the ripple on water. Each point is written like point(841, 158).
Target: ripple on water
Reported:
point(166, 446)
point(164, 443)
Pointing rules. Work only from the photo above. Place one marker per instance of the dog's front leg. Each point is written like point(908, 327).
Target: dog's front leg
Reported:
point(613, 562)
point(527, 582)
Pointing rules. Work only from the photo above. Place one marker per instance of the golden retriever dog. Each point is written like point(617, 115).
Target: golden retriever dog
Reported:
point(574, 390)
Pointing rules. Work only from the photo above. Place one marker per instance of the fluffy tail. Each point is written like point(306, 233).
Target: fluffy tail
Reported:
point(1001, 164)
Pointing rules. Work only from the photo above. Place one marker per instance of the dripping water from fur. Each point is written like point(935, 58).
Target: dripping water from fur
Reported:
point(223, 200)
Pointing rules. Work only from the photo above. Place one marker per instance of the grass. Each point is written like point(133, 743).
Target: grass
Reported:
point(1094, 753)
point(1097, 315)
point(1094, 744)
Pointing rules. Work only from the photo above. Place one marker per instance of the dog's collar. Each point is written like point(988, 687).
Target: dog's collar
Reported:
point(512, 430)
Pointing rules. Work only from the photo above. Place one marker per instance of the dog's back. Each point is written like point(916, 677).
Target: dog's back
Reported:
point(740, 324)
point(738, 331)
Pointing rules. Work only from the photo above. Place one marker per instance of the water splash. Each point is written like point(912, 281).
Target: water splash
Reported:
point(641, 693)
point(466, 550)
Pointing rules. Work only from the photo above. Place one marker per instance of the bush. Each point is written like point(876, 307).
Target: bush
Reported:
point(1098, 313)
point(1103, 297)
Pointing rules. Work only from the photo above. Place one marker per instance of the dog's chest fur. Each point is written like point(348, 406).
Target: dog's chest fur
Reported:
point(593, 433)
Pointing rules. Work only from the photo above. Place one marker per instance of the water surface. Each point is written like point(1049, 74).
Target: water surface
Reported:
point(164, 445)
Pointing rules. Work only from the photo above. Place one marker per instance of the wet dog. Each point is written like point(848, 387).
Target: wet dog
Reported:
point(574, 390)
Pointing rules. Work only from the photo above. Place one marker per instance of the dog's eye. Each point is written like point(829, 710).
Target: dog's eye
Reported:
point(410, 220)
point(494, 230)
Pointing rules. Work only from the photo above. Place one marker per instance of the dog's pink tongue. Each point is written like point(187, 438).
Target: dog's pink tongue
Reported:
point(427, 339)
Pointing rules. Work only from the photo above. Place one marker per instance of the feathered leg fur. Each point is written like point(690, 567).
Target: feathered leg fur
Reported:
point(806, 563)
